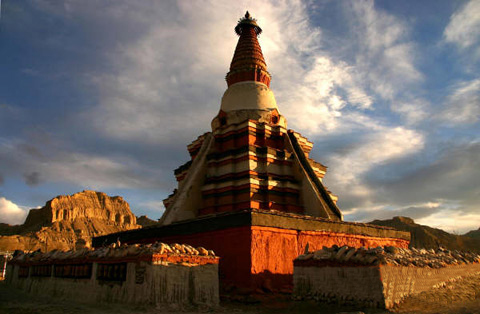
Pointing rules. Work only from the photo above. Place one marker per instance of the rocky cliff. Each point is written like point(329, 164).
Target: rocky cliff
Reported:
point(430, 238)
point(68, 221)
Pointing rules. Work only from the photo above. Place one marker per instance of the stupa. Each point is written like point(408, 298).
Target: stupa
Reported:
point(251, 192)
point(250, 161)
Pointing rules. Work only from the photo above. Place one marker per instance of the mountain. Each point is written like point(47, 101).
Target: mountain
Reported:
point(475, 234)
point(144, 221)
point(430, 238)
point(67, 221)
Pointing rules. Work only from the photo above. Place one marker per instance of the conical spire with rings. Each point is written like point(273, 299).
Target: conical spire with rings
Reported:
point(248, 63)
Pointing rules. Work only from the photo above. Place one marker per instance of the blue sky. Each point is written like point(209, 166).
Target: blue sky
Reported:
point(106, 95)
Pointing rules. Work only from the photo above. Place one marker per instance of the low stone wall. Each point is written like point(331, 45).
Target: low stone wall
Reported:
point(400, 281)
point(379, 277)
point(156, 274)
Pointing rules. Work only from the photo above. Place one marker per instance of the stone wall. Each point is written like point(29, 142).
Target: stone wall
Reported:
point(156, 274)
point(400, 281)
point(377, 277)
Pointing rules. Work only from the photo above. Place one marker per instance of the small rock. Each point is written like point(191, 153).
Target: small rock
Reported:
point(306, 248)
point(267, 285)
point(340, 252)
point(322, 255)
point(349, 254)
point(391, 249)
point(304, 257)
point(202, 251)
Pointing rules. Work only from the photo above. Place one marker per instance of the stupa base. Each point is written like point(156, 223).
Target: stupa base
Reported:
point(257, 248)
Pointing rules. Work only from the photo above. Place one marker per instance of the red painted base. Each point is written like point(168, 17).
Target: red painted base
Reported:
point(254, 257)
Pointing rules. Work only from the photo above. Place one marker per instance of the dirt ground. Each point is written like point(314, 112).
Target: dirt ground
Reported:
point(460, 297)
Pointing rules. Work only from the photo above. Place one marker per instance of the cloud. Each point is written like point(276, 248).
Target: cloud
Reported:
point(413, 110)
point(154, 206)
point(385, 55)
point(463, 104)
point(312, 89)
point(334, 82)
point(435, 215)
point(448, 187)
point(32, 178)
point(378, 147)
point(452, 221)
point(58, 163)
point(157, 88)
point(417, 211)
point(451, 180)
point(11, 213)
point(154, 88)
point(167, 79)
point(10, 112)
point(463, 30)
point(320, 84)
point(349, 169)
point(319, 95)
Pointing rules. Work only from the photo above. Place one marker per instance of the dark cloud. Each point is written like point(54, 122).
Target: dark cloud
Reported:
point(32, 178)
point(2, 180)
point(88, 167)
point(32, 151)
point(438, 186)
point(454, 177)
point(414, 212)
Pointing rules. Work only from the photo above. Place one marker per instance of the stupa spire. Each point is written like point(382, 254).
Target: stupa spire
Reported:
point(248, 63)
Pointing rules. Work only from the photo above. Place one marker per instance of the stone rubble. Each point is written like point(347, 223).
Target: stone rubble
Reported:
point(390, 255)
point(113, 251)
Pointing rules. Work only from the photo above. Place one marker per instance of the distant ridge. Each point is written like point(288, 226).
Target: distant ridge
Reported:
point(144, 221)
point(431, 238)
point(475, 234)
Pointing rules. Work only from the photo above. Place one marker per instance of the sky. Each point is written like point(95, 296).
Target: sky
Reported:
point(106, 95)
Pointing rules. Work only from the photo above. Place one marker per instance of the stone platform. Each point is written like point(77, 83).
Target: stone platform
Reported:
point(257, 248)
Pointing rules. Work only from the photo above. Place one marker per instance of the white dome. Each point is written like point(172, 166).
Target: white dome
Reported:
point(248, 95)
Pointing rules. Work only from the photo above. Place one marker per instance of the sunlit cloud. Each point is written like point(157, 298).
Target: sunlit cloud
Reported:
point(463, 104)
point(11, 213)
point(463, 30)
point(452, 221)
